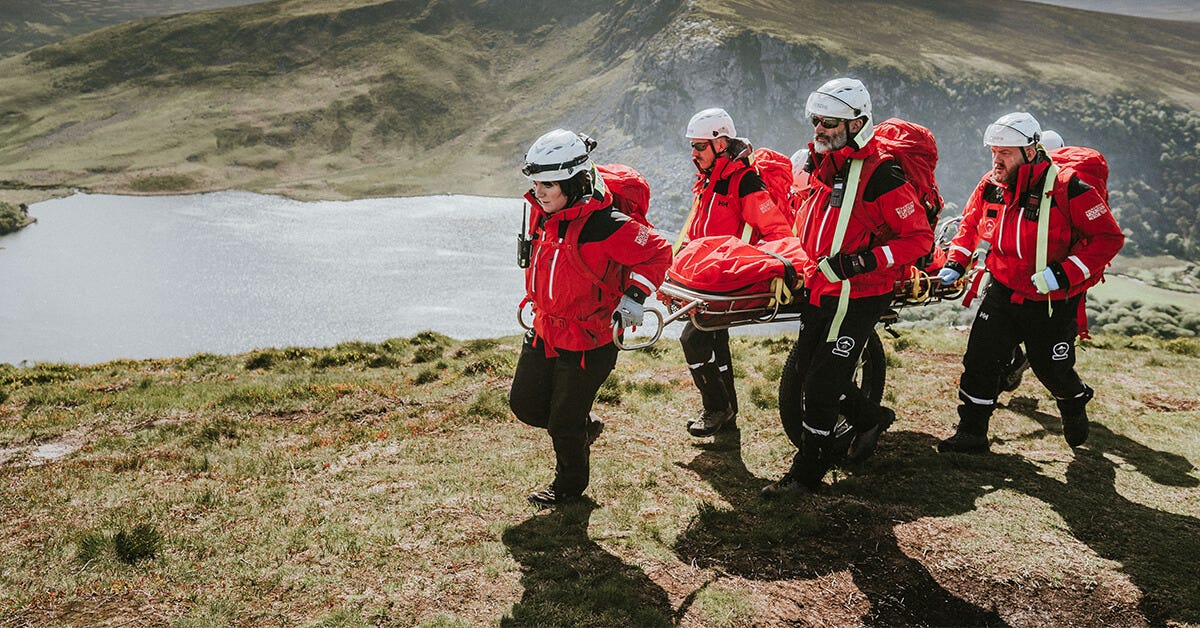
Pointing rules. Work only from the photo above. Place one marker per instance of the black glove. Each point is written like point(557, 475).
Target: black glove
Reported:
point(847, 265)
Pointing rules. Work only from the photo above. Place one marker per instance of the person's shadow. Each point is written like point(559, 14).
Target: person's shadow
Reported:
point(569, 580)
point(1159, 551)
point(811, 536)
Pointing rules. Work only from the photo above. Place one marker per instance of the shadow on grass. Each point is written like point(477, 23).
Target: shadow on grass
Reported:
point(812, 536)
point(569, 580)
point(1159, 551)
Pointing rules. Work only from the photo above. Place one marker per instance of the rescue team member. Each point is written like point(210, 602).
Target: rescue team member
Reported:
point(590, 265)
point(974, 238)
point(730, 199)
point(861, 225)
point(1053, 235)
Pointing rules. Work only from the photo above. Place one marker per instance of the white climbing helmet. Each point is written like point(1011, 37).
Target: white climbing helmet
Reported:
point(1052, 140)
point(709, 124)
point(558, 156)
point(1013, 129)
point(843, 98)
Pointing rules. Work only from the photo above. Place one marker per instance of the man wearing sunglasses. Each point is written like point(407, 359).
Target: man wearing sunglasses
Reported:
point(730, 199)
point(862, 225)
point(1051, 239)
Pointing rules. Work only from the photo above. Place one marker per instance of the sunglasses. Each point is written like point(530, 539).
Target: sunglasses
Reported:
point(828, 123)
point(700, 147)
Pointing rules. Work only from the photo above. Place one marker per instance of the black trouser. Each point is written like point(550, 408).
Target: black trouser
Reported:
point(999, 326)
point(711, 366)
point(827, 372)
point(556, 394)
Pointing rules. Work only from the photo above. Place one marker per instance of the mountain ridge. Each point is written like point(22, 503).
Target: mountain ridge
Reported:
point(316, 99)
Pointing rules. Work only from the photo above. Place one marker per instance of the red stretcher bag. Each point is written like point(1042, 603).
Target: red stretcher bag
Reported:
point(726, 266)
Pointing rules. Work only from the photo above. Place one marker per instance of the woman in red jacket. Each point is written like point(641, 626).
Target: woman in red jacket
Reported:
point(590, 265)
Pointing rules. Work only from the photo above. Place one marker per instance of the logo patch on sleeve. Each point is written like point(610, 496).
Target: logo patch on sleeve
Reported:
point(1099, 210)
point(643, 235)
point(907, 210)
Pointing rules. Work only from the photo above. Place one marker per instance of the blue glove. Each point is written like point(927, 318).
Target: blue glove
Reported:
point(948, 275)
point(629, 312)
point(1054, 277)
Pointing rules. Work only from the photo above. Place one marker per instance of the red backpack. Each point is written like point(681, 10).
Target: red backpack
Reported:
point(775, 170)
point(630, 191)
point(1087, 163)
point(915, 149)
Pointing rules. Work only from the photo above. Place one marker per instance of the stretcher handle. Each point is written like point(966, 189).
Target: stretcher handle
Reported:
point(662, 324)
point(521, 317)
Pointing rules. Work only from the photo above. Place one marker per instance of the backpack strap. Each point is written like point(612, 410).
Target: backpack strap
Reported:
point(846, 207)
point(571, 243)
point(1043, 234)
point(687, 224)
point(735, 184)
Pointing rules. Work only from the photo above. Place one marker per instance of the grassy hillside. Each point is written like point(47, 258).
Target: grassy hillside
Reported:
point(324, 99)
point(385, 484)
point(28, 24)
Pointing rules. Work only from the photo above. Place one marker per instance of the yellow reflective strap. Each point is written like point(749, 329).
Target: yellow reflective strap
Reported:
point(687, 225)
point(1043, 234)
point(839, 234)
point(746, 231)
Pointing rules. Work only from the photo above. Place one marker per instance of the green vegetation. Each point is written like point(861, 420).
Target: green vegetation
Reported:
point(13, 217)
point(384, 484)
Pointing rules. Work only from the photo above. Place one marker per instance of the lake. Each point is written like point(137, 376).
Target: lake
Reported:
point(103, 277)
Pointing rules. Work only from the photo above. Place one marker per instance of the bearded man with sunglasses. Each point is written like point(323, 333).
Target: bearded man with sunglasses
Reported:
point(862, 226)
point(1051, 237)
point(730, 199)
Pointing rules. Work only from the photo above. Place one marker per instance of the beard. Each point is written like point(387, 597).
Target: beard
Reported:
point(1006, 177)
point(830, 143)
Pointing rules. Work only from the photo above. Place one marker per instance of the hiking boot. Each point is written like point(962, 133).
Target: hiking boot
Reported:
point(863, 445)
point(549, 498)
point(1075, 429)
point(787, 486)
point(594, 428)
point(1015, 371)
point(1075, 418)
point(965, 443)
point(712, 421)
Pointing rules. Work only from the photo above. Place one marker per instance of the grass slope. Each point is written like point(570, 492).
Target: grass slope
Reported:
point(385, 484)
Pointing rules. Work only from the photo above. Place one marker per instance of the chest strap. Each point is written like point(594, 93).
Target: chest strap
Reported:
point(839, 234)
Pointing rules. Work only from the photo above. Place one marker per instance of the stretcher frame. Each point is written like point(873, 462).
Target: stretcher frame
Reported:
point(700, 309)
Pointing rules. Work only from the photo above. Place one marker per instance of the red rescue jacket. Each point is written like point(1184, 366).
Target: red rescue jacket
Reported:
point(1083, 235)
point(584, 257)
point(887, 221)
point(720, 211)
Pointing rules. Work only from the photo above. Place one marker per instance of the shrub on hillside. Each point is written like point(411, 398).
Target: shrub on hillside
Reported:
point(11, 218)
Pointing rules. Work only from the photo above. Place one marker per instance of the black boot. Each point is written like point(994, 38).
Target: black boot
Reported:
point(595, 427)
point(816, 457)
point(718, 413)
point(571, 470)
point(1074, 416)
point(1014, 370)
point(863, 444)
point(970, 437)
point(730, 390)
